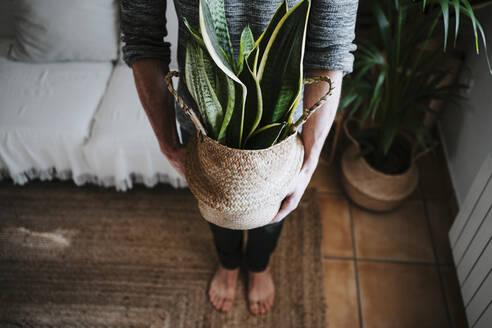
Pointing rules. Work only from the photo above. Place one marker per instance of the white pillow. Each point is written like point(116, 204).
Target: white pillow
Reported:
point(65, 30)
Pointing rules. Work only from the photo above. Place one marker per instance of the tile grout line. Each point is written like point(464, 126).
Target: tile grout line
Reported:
point(342, 258)
point(436, 259)
point(329, 193)
point(358, 259)
point(356, 270)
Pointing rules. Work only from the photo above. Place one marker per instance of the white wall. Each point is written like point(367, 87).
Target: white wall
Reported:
point(467, 131)
point(172, 33)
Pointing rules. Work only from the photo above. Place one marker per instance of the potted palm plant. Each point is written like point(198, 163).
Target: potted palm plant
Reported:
point(397, 75)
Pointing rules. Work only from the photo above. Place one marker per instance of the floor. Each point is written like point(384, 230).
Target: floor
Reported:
point(393, 269)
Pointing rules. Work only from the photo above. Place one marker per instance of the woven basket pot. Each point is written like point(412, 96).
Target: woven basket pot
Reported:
point(238, 188)
point(370, 188)
point(242, 189)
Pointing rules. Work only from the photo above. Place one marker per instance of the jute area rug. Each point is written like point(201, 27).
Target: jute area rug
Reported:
point(92, 257)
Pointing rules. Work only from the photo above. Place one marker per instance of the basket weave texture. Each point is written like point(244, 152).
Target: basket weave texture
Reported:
point(237, 188)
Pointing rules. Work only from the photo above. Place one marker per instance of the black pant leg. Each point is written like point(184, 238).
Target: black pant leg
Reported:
point(229, 245)
point(261, 244)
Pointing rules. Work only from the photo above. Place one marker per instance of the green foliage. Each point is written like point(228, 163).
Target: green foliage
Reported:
point(280, 69)
point(266, 136)
point(246, 45)
point(248, 101)
point(201, 88)
point(262, 41)
point(397, 74)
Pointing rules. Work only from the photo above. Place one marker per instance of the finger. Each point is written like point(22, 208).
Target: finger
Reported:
point(285, 209)
point(280, 216)
point(281, 211)
point(288, 206)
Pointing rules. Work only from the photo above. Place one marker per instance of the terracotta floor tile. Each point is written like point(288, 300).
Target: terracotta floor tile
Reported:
point(440, 221)
point(434, 176)
point(453, 297)
point(402, 234)
point(341, 294)
point(401, 295)
point(335, 217)
point(326, 178)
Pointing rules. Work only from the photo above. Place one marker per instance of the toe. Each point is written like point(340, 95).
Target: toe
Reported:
point(269, 305)
point(215, 300)
point(227, 305)
point(254, 307)
point(263, 307)
point(220, 301)
point(270, 302)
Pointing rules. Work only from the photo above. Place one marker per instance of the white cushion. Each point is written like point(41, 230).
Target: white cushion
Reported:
point(45, 114)
point(122, 144)
point(65, 30)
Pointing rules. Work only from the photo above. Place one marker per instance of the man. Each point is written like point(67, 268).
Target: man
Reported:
point(329, 44)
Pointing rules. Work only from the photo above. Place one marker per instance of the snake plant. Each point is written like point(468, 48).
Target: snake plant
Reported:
point(246, 101)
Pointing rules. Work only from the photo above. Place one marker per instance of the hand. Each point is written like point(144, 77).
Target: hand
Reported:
point(292, 199)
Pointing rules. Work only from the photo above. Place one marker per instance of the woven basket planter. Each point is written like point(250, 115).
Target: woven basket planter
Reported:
point(240, 188)
point(370, 188)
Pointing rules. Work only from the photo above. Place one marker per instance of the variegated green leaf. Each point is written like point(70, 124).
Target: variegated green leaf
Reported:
point(267, 33)
point(266, 136)
point(218, 55)
point(226, 92)
point(246, 45)
point(210, 68)
point(209, 63)
point(254, 102)
point(234, 132)
point(252, 59)
point(211, 39)
point(195, 34)
point(201, 89)
point(280, 69)
point(223, 85)
point(191, 59)
point(217, 11)
point(245, 120)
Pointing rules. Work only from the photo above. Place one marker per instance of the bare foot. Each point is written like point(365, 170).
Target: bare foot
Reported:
point(223, 288)
point(261, 291)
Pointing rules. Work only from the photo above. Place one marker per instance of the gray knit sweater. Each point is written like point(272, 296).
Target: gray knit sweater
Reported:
point(329, 39)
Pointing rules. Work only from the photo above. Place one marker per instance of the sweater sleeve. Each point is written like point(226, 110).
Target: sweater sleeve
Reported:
point(330, 35)
point(143, 28)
